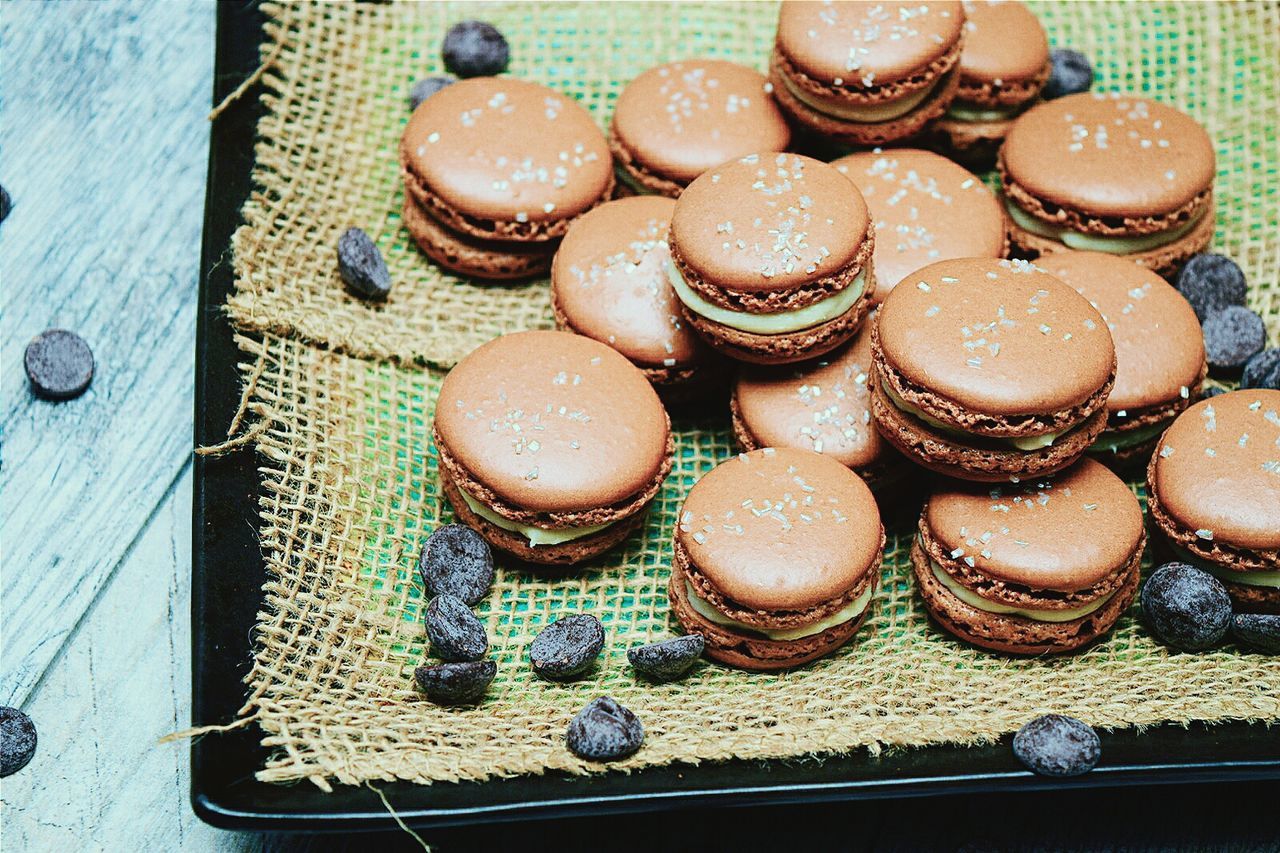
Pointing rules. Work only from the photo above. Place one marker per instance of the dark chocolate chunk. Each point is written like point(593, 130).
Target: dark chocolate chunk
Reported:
point(1260, 631)
point(427, 87)
point(17, 740)
point(667, 660)
point(456, 561)
point(604, 731)
point(456, 683)
point(454, 631)
point(1212, 391)
point(1263, 370)
point(1211, 282)
point(1186, 607)
point(1071, 73)
point(59, 364)
point(567, 647)
point(475, 49)
point(1056, 745)
point(361, 265)
point(6, 204)
point(1232, 336)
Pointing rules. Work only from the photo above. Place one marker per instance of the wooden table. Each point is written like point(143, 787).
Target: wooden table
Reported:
point(104, 139)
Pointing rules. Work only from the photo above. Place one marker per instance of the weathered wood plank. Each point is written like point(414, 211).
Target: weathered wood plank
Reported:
point(102, 125)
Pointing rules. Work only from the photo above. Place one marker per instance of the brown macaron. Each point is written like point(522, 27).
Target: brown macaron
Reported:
point(1109, 173)
point(1003, 67)
point(609, 282)
point(1159, 349)
point(771, 258)
point(926, 209)
point(1213, 491)
point(551, 445)
point(676, 121)
point(866, 73)
point(1042, 567)
point(495, 171)
point(990, 370)
point(777, 556)
point(823, 406)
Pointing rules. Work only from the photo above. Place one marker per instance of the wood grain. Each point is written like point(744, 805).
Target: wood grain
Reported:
point(105, 144)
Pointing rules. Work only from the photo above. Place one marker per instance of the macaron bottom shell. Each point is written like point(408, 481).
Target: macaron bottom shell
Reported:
point(483, 259)
point(1012, 633)
point(1245, 597)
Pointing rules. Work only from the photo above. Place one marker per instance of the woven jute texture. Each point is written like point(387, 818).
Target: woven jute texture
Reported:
point(343, 392)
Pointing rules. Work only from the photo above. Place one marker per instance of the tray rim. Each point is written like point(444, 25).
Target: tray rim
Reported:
point(227, 574)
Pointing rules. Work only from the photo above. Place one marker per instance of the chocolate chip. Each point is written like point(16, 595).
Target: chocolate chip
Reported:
point(59, 364)
point(17, 740)
point(454, 631)
point(427, 87)
point(567, 647)
point(604, 731)
point(1211, 282)
point(1056, 745)
point(1263, 370)
point(361, 265)
point(475, 49)
point(667, 660)
point(1259, 630)
point(6, 204)
point(456, 561)
point(1231, 337)
point(1071, 73)
point(456, 683)
point(1186, 607)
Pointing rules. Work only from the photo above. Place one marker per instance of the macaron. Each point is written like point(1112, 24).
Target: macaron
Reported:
point(551, 445)
point(823, 406)
point(1213, 491)
point(676, 121)
point(609, 282)
point(1160, 362)
point(866, 73)
point(1110, 173)
point(990, 370)
point(1004, 65)
point(777, 556)
point(1041, 567)
point(771, 258)
point(495, 171)
point(925, 209)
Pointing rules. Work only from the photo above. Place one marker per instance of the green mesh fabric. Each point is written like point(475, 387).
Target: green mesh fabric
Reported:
point(349, 488)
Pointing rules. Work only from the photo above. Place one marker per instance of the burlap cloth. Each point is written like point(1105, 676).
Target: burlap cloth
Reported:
point(343, 415)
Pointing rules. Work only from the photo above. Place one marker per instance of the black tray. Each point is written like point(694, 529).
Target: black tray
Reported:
point(228, 573)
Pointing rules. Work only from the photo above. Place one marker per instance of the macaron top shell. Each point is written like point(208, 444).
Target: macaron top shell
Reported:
point(997, 337)
point(683, 118)
point(866, 43)
point(769, 222)
point(1109, 155)
point(1217, 469)
point(823, 406)
point(926, 209)
point(610, 280)
point(1003, 41)
point(506, 149)
point(781, 529)
point(553, 422)
point(1066, 532)
point(1159, 347)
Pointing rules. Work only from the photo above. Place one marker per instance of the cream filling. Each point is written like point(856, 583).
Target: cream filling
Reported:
point(962, 113)
point(1270, 580)
point(871, 113)
point(768, 324)
point(1111, 440)
point(1094, 242)
point(625, 176)
point(535, 535)
point(844, 614)
point(974, 600)
point(1028, 442)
